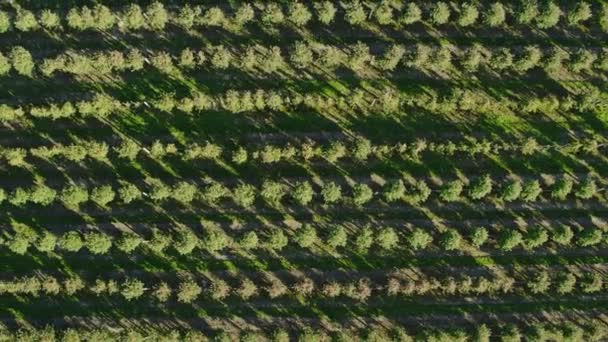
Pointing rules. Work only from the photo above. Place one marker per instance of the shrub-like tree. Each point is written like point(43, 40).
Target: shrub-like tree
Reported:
point(362, 194)
point(22, 61)
point(565, 283)
point(589, 237)
point(583, 60)
point(527, 11)
point(495, 15)
point(326, 11)
point(244, 195)
point(129, 192)
point(562, 235)
point(132, 18)
point(97, 242)
point(587, 189)
point(102, 195)
point(162, 292)
point(244, 14)
point(451, 240)
point(531, 190)
point(5, 22)
point(411, 14)
point(303, 192)
point(157, 16)
point(549, 15)
point(581, 11)
point(331, 192)
point(249, 241)
point(452, 191)
point(392, 57)
point(71, 241)
point(440, 13)
point(364, 240)
point(479, 236)
point(25, 21)
point(472, 58)
point(383, 14)
point(509, 239)
point(19, 197)
point(501, 59)
point(355, 13)
point(272, 14)
point(305, 236)
point(73, 196)
point(46, 242)
point(591, 282)
point(539, 282)
point(214, 16)
point(188, 291)
point(299, 13)
point(394, 191)
point(512, 191)
point(301, 55)
point(530, 58)
point(129, 242)
point(132, 289)
point(535, 238)
point(562, 188)
point(277, 240)
point(481, 188)
point(337, 237)
point(387, 238)
point(468, 14)
point(419, 239)
point(185, 242)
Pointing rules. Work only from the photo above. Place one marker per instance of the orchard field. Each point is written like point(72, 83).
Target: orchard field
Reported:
point(304, 171)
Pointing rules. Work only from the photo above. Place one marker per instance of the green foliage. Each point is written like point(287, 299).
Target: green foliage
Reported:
point(133, 17)
point(102, 195)
point(527, 11)
point(512, 191)
point(249, 241)
point(384, 14)
point(337, 237)
point(159, 191)
point(535, 237)
point(411, 14)
point(392, 57)
point(188, 291)
point(509, 239)
point(419, 239)
point(587, 189)
point(157, 16)
point(19, 197)
point(387, 238)
point(472, 58)
point(364, 240)
point(481, 188)
point(215, 240)
point(530, 58)
point(46, 242)
point(299, 13)
point(129, 192)
point(581, 11)
point(273, 192)
point(25, 21)
point(440, 13)
point(468, 14)
point(565, 283)
point(326, 11)
point(18, 244)
point(305, 236)
point(244, 14)
point(591, 282)
point(501, 59)
point(589, 237)
point(452, 191)
point(129, 242)
point(451, 240)
point(71, 242)
point(214, 16)
point(97, 242)
point(562, 188)
point(394, 191)
point(331, 192)
point(184, 192)
point(159, 241)
point(496, 15)
point(539, 282)
point(548, 15)
point(5, 65)
point(185, 242)
point(303, 192)
point(5, 22)
point(479, 236)
point(277, 240)
point(214, 192)
point(73, 196)
point(22, 61)
point(362, 194)
point(244, 195)
point(272, 14)
point(531, 190)
point(355, 13)
point(132, 289)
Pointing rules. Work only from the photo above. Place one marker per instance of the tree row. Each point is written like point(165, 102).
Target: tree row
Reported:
point(155, 17)
point(582, 329)
point(272, 287)
point(305, 56)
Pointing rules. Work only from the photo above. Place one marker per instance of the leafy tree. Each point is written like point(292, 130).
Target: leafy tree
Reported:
point(159, 241)
point(18, 244)
point(19, 197)
point(188, 291)
point(46, 242)
point(581, 11)
point(162, 292)
point(383, 14)
point(244, 14)
point(185, 242)
point(451, 240)
point(337, 237)
point(219, 289)
point(249, 241)
point(565, 283)
point(5, 65)
point(589, 237)
point(479, 236)
point(355, 13)
point(184, 192)
point(394, 191)
point(187, 16)
point(157, 16)
point(440, 13)
point(531, 190)
point(555, 61)
point(129, 192)
point(273, 61)
point(535, 237)
point(25, 21)
point(468, 14)
point(583, 60)
point(5, 22)
point(511, 191)
point(129, 242)
point(331, 192)
point(277, 240)
point(392, 57)
point(562, 188)
point(411, 14)
point(134, 60)
point(97, 242)
point(330, 57)
point(529, 59)
point(102, 195)
point(215, 240)
point(272, 14)
point(587, 189)
point(387, 238)
point(481, 188)
point(128, 149)
point(496, 15)
point(527, 11)
point(214, 192)
point(132, 289)
point(159, 191)
point(326, 11)
point(22, 61)
point(71, 242)
point(299, 13)
point(362, 148)
point(301, 55)
point(539, 282)
point(591, 282)
point(509, 239)
point(244, 195)
point(501, 59)
point(472, 58)
point(273, 192)
point(214, 16)
point(221, 57)
point(364, 240)
point(419, 239)
point(548, 16)
point(562, 235)
point(451, 191)
point(305, 236)
point(362, 194)
point(247, 289)
point(132, 18)
point(303, 192)
point(164, 63)
point(74, 195)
